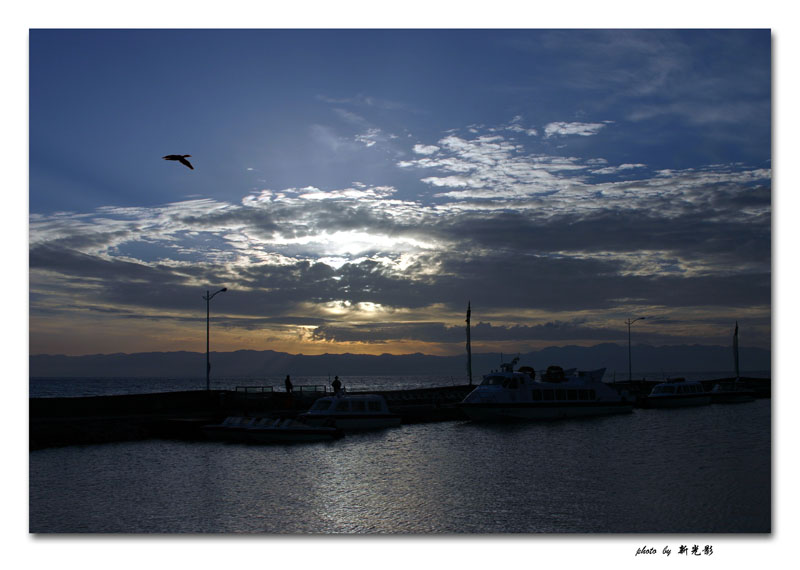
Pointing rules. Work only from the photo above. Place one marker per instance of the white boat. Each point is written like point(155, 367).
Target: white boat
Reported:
point(519, 395)
point(731, 393)
point(351, 412)
point(677, 393)
point(269, 430)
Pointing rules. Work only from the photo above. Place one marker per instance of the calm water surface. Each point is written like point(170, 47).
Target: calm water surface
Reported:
point(78, 387)
point(689, 470)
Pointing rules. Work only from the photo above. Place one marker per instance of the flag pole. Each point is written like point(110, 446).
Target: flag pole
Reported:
point(736, 349)
point(469, 345)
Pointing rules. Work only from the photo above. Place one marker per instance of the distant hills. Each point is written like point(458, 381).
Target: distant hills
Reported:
point(267, 363)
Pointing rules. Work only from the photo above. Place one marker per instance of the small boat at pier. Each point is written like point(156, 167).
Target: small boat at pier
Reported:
point(517, 395)
point(351, 412)
point(731, 393)
point(677, 393)
point(269, 430)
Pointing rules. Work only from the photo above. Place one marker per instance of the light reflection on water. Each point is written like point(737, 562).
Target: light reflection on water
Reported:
point(688, 470)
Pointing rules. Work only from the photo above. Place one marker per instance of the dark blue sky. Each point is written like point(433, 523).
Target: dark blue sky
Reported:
point(354, 188)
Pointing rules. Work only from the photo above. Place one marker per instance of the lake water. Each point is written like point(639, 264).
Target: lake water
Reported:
point(76, 387)
point(690, 470)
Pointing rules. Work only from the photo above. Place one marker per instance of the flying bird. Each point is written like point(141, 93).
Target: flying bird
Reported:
point(180, 158)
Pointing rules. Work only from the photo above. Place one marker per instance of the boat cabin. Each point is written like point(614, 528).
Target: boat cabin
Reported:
point(558, 395)
point(355, 403)
point(506, 380)
point(682, 388)
point(351, 411)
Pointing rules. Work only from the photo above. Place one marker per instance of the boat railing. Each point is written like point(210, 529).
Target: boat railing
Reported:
point(311, 388)
point(254, 389)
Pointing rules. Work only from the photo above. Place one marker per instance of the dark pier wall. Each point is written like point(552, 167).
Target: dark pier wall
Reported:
point(99, 419)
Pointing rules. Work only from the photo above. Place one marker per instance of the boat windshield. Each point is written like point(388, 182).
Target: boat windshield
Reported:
point(494, 380)
point(321, 405)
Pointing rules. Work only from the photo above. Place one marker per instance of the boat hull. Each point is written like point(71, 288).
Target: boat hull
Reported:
point(677, 400)
point(733, 397)
point(352, 422)
point(481, 411)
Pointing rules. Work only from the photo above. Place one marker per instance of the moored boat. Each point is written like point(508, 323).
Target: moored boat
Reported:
point(351, 412)
point(269, 430)
point(731, 393)
point(677, 393)
point(517, 395)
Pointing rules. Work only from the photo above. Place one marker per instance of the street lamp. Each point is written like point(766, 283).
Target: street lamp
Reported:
point(208, 298)
point(629, 322)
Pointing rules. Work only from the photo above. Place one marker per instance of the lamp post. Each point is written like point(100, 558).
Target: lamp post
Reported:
point(208, 298)
point(629, 322)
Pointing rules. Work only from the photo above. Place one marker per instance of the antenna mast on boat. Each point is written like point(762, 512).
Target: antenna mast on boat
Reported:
point(469, 345)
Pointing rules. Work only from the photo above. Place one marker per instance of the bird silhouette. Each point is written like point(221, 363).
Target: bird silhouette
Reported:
point(180, 158)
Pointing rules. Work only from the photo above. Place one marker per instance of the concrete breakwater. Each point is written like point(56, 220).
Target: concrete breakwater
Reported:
point(99, 419)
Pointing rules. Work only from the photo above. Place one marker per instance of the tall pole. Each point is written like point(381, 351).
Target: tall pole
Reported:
point(736, 350)
point(208, 298)
point(629, 322)
point(630, 368)
point(469, 345)
point(208, 335)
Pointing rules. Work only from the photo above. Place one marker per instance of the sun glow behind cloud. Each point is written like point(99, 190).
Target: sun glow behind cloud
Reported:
point(367, 250)
point(374, 218)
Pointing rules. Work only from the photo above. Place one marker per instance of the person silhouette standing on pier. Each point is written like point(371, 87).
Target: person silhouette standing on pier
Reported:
point(336, 385)
point(289, 386)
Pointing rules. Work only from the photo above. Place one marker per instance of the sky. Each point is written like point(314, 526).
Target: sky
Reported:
point(354, 190)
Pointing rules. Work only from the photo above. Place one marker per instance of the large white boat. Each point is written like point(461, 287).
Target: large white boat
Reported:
point(351, 412)
point(518, 395)
point(677, 393)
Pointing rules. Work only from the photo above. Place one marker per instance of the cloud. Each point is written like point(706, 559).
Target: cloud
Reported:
point(566, 129)
point(617, 169)
point(370, 137)
point(529, 236)
point(425, 149)
point(329, 139)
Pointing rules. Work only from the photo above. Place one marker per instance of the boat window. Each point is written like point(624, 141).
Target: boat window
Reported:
point(664, 390)
point(681, 389)
point(374, 406)
point(592, 395)
point(321, 405)
point(342, 406)
point(358, 406)
point(583, 394)
point(547, 395)
point(536, 395)
point(572, 394)
point(561, 394)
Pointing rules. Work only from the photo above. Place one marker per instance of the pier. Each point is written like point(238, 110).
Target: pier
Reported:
point(100, 419)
